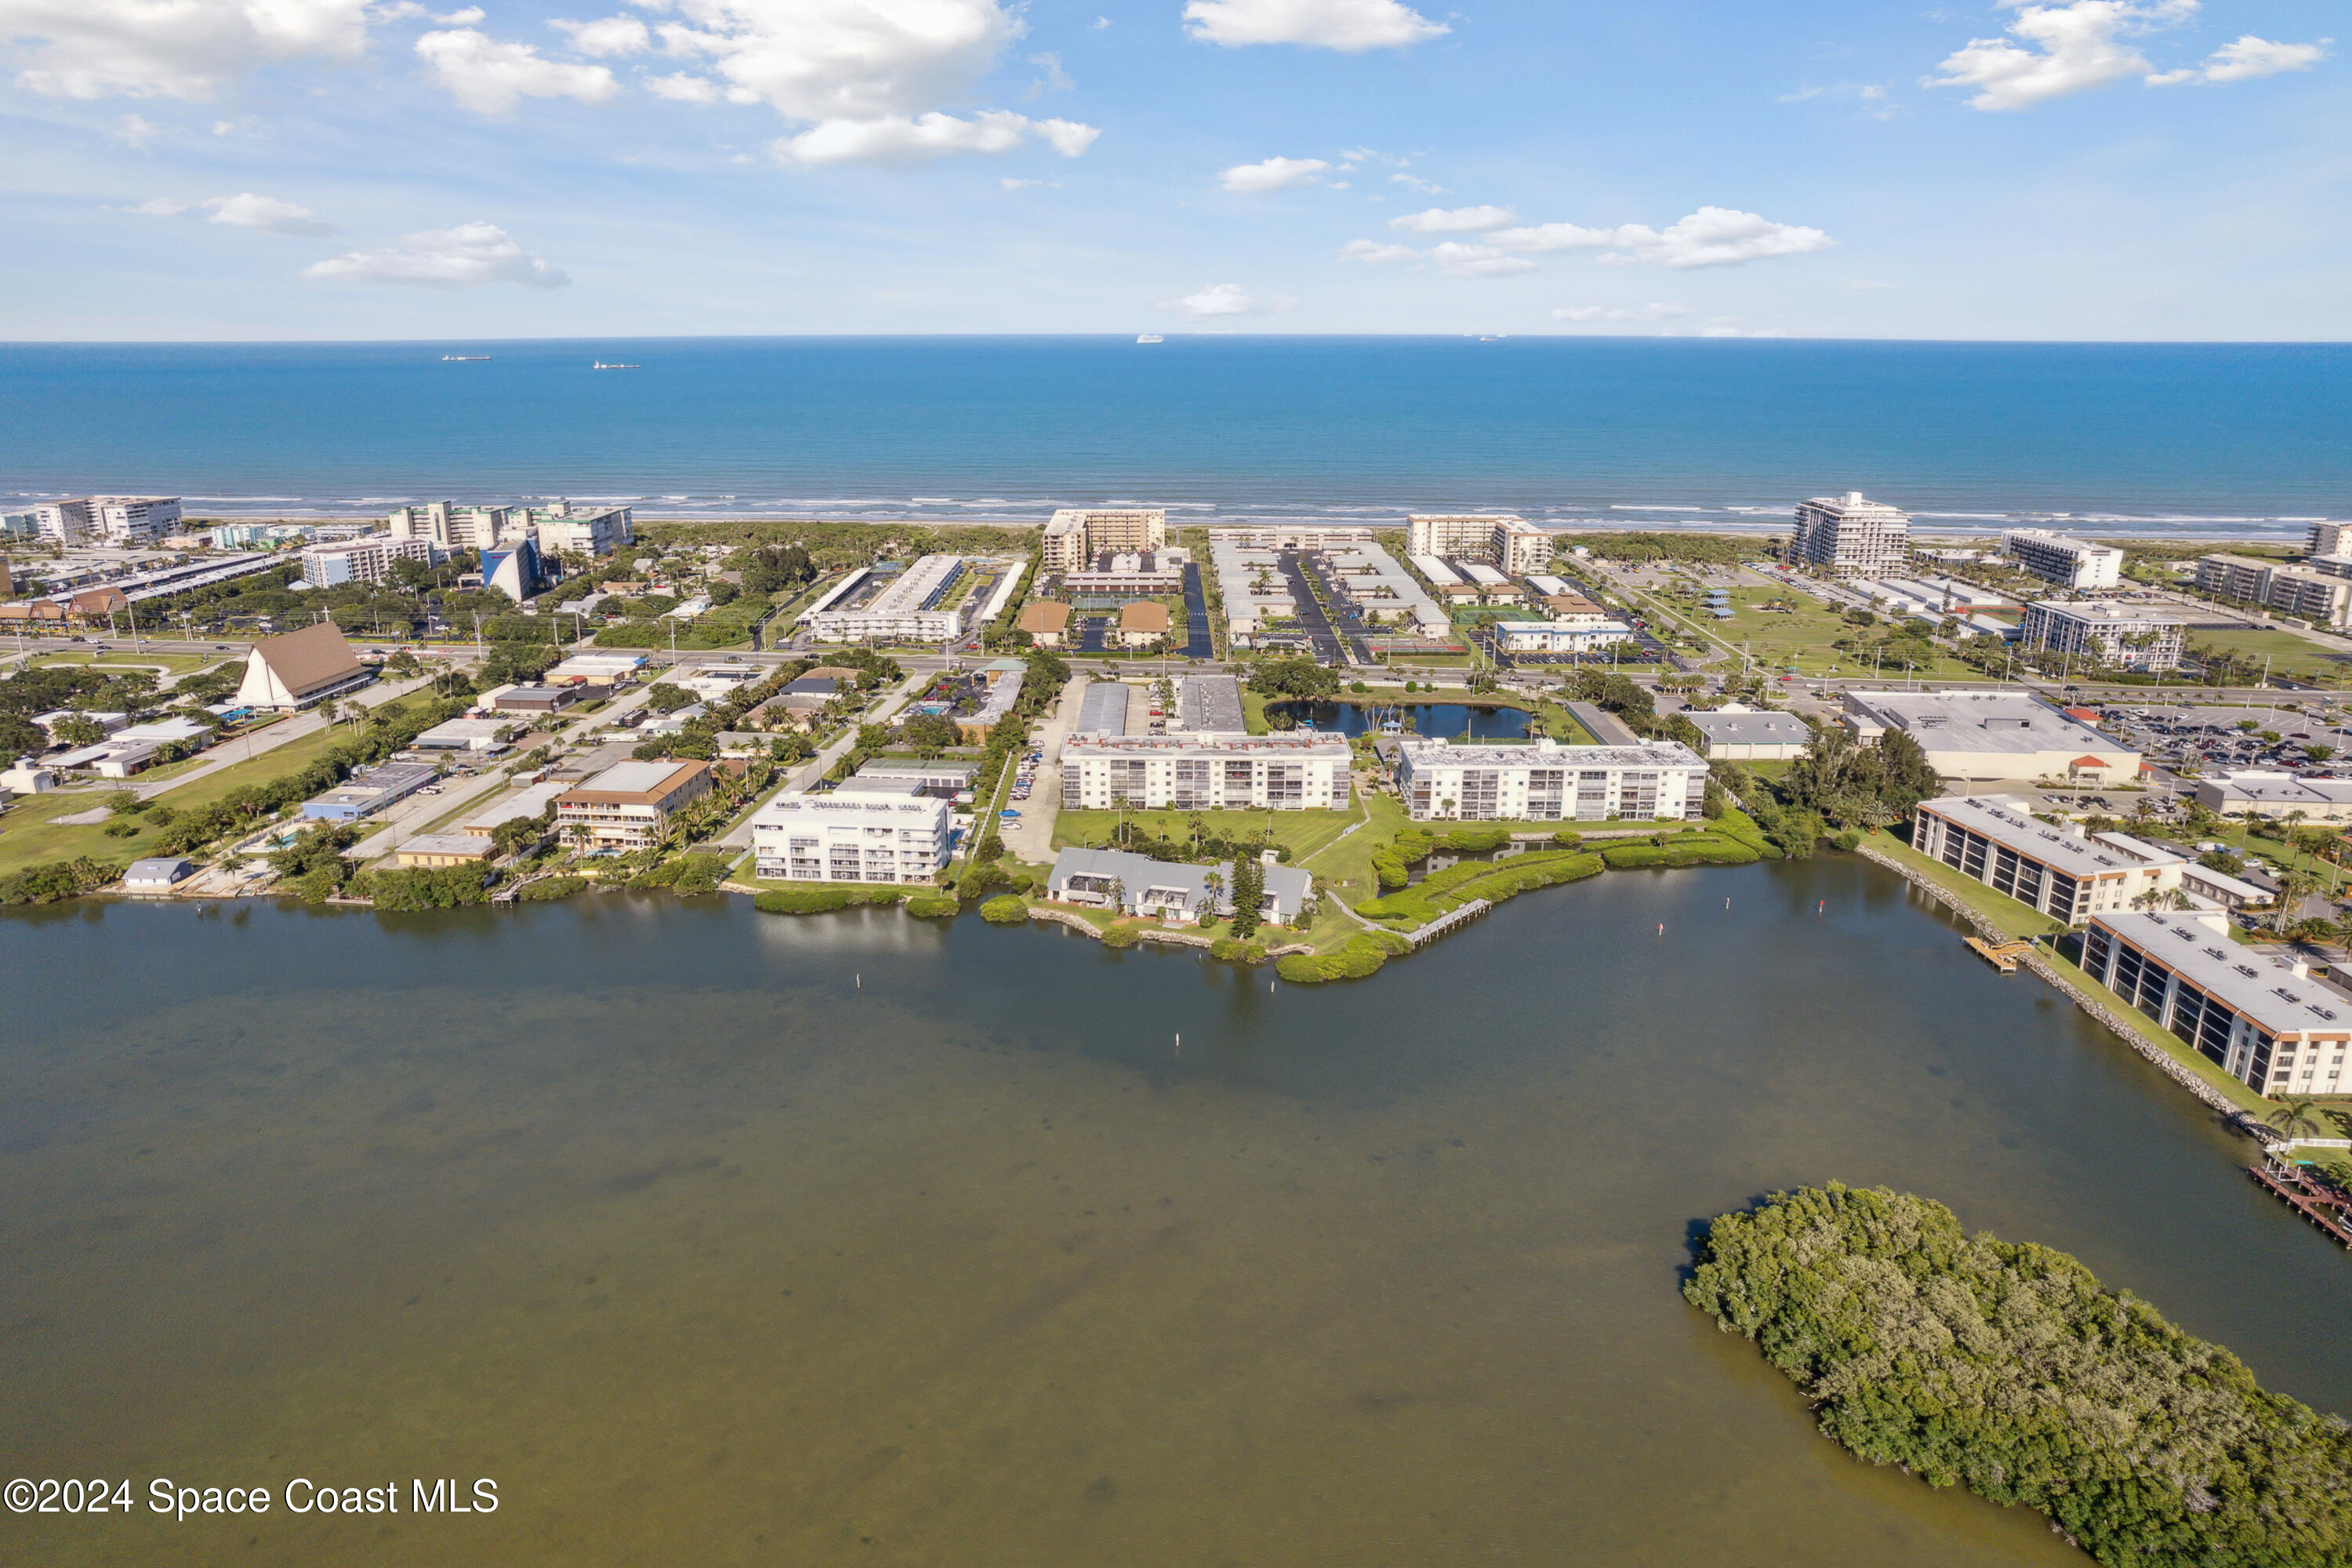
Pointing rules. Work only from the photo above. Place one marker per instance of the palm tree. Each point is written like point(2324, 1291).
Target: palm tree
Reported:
point(2297, 1116)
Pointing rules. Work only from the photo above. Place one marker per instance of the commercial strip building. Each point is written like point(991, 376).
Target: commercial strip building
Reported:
point(2275, 793)
point(896, 835)
point(300, 669)
point(369, 791)
point(1735, 734)
point(1546, 781)
point(365, 560)
point(1992, 737)
point(1205, 772)
point(1850, 536)
point(1075, 535)
point(629, 805)
point(2263, 1021)
point(1512, 543)
point(2115, 633)
point(1165, 890)
point(2070, 562)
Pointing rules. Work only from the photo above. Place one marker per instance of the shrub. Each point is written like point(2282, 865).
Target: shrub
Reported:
point(1848, 840)
point(425, 888)
point(1118, 935)
point(1234, 951)
point(58, 879)
point(1475, 840)
point(548, 889)
point(1699, 849)
point(933, 906)
point(801, 900)
point(1004, 910)
point(1363, 955)
point(877, 898)
point(1567, 839)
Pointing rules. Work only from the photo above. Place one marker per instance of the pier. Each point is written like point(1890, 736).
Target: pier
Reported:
point(2317, 1205)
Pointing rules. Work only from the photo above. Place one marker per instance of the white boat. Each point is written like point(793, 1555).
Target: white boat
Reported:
point(463, 359)
point(1150, 337)
point(600, 364)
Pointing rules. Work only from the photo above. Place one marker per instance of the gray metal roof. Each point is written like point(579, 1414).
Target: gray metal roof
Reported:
point(1289, 884)
point(1752, 729)
point(1210, 702)
point(1103, 710)
point(2263, 988)
point(2004, 820)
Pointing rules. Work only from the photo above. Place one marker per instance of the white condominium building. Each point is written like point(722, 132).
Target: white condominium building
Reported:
point(2070, 562)
point(1849, 537)
point(868, 835)
point(2061, 871)
point(2115, 633)
point(452, 527)
point(2232, 576)
point(116, 519)
point(1206, 772)
point(1076, 535)
point(583, 531)
point(1547, 782)
point(2262, 1020)
point(367, 560)
point(1513, 543)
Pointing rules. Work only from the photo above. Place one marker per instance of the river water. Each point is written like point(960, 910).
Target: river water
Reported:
point(720, 1238)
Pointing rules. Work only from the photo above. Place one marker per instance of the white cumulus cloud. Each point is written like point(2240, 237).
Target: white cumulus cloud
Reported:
point(170, 48)
point(1655, 311)
point(608, 36)
point(466, 257)
point(1372, 253)
point(1711, 237)
point(1454, 220)
point(1272, 174)
point(491, 77)
point(2247, 58)
point(1348, 25)
point(1226, 300)
point(897, 139)
point(2055, 51)
point(246, 210)
point(1478, 261)
point(684, 86)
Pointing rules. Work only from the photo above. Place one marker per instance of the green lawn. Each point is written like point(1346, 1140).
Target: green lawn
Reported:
point(29, 837)
point(121, 658)
point(2292, 655)
point(1800, 635)
point(1305, 832)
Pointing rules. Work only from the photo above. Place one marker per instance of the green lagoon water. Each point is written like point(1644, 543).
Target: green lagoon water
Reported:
point(721, 1238)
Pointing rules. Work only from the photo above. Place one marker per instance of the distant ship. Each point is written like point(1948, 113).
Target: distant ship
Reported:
point(1150, 337)
point(464, 359)
point(600, 364)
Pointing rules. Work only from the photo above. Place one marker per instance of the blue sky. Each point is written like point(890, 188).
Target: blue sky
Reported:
point(317, 169)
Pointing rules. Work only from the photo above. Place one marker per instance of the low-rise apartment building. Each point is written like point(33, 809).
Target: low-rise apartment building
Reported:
point(2315, 590)
point(1206, 772)
point(2262, 1020)
point(1576, 634)
point(2061, 871)
point(895, 835)
point(1547, 782)
point(2122, 634)
point(629, 806)
point(1166, 890)
point(934, 600)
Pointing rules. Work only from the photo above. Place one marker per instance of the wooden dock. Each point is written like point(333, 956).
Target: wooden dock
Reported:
point(2003, 956)
point(2320, 1207)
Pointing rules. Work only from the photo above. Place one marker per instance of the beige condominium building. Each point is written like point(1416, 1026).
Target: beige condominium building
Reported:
point(1992, 737)
point(2262, 1020)
point(2063, 872)
point(1076, 535)
point(2122, 634)
point(2315, 591)
point(1850, 536)
point(629, 806)
point(1513, 543)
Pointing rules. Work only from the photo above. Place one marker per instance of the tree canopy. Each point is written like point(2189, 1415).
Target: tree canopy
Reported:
point(2007, 1368)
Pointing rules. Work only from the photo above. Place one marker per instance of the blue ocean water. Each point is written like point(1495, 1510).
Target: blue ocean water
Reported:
point(2152, 438)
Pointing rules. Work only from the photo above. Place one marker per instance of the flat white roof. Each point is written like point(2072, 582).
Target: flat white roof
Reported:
point(2005, 821)
point(2261, 987)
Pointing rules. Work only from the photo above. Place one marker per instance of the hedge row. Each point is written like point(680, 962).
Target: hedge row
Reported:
point(548, 889)
point(822, 900)
point(1361, 955)
point(933, 906)
point(1492, 880)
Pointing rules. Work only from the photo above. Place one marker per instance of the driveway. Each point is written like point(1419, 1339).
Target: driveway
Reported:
point(1032, 837)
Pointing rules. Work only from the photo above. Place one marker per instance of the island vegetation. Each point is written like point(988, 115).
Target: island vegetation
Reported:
point(2007, 1368)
